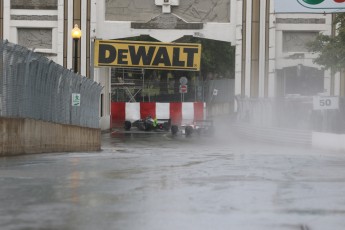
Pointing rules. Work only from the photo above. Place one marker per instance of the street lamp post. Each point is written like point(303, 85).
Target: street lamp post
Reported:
point(76, 34)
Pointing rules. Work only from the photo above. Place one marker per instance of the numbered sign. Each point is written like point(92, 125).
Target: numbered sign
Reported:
point(321, 103)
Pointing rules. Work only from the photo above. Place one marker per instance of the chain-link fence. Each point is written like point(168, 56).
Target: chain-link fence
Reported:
point(32, 86)
point(136, 85)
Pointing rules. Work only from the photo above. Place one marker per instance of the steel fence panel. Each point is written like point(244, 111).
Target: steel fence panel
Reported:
point(32, 86)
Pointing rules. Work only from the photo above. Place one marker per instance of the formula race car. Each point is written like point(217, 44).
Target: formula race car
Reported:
point(199, 127)
point(148, 124)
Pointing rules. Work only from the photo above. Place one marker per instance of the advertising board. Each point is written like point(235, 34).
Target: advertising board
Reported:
point(309, 6)
point(149, 55)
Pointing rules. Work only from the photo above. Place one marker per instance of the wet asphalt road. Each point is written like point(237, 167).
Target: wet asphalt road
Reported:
point(157, 182)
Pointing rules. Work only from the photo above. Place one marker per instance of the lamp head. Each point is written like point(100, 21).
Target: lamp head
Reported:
point(76, 32)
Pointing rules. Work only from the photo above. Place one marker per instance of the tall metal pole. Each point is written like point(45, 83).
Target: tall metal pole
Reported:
point(76, 55)
point(76, 35)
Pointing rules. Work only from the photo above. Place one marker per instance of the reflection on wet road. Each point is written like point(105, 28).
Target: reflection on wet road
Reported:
point(157, 182)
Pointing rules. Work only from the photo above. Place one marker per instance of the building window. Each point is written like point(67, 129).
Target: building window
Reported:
point(303, 80)
point(38, 38)
point(35, 5)
point(295, 41)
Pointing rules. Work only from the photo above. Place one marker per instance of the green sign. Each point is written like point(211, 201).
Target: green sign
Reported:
point(75, 99)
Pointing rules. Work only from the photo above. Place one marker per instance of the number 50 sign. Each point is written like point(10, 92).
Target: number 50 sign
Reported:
point(321, 103)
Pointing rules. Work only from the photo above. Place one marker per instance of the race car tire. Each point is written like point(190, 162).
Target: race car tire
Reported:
point(128, 125)
point(189, 130)
point(198, 131)
point(166, 126)
point(147, 126)
point(174, 129)
point(211, 131)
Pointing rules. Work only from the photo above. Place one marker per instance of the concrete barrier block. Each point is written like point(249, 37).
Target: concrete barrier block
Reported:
point(27, 136)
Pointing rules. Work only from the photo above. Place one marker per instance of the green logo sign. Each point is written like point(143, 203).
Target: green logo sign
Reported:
point(329, 6)
point(313, 2)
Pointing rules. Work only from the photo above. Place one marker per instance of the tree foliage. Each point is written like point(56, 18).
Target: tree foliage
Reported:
point(216, 57)
point(331, 49)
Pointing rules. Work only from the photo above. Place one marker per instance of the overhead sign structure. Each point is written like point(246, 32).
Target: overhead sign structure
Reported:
point(148, 55)
point(309, 6)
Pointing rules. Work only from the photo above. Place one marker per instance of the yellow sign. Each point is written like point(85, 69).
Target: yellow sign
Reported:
point(149, 55)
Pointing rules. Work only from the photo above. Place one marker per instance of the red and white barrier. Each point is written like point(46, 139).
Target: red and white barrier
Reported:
point(178, 112)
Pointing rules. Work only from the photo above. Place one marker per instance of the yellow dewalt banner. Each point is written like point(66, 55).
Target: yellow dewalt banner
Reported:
point(148, 55)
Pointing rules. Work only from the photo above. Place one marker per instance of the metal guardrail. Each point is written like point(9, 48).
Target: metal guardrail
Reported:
point(274, 134)
point(292, 113)
point(32, 86)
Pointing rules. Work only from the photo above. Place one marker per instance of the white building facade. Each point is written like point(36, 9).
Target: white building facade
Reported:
point(271, 57)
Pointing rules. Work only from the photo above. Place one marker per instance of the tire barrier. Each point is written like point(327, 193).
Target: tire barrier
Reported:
point(178, 112)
